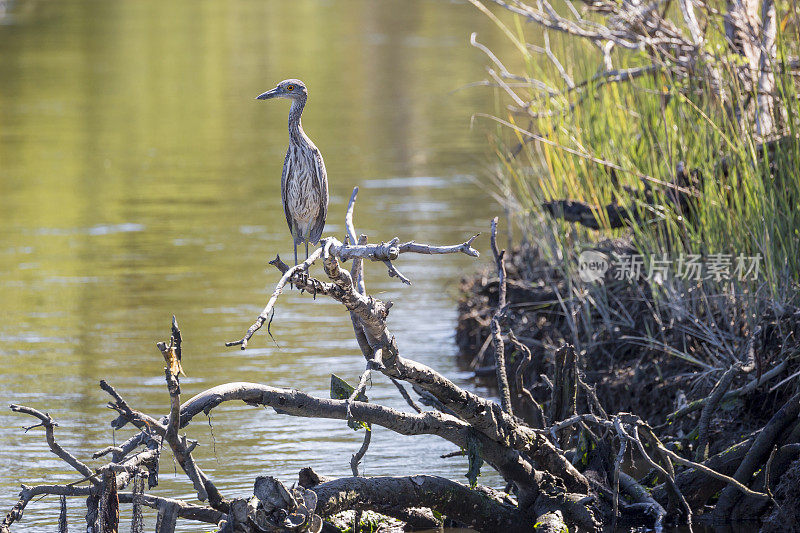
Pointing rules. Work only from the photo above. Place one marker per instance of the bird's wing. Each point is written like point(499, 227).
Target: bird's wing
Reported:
point(287, 164)
point(321, 184)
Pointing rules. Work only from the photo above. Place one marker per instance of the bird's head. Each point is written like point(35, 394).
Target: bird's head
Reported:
point(292, 89)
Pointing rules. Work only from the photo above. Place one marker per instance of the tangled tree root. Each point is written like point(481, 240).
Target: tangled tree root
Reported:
point(691, 422)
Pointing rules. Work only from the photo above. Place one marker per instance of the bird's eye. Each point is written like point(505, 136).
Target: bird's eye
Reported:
point(290, 87)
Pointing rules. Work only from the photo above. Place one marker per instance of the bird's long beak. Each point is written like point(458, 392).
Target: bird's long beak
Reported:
point(269, 94)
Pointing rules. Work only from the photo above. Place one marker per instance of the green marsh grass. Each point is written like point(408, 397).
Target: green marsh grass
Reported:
point(622, 142)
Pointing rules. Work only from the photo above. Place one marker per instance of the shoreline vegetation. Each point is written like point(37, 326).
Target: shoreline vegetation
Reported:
point(648, 157)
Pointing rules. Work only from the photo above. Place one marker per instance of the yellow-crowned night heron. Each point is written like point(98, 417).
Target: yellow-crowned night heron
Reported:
point(304, 183)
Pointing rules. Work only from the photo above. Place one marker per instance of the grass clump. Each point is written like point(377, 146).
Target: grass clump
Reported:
point(678, 153)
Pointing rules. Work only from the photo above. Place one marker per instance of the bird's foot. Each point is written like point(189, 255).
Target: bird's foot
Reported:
point(302, 278)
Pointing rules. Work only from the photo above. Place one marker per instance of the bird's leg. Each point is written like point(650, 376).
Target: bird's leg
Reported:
point(305, 265)
point(291, 285)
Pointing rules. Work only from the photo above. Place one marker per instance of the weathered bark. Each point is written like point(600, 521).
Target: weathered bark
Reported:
point(565, 384)
point(473, 508)
point(167, 518)
point(757, 455)
point(109, 503)
point(551, 522)
point(698, 487)
point(497, 336)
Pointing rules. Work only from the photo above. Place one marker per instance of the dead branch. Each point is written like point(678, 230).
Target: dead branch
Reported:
point(442, 495)
point(181, 449)
point(264, 315)
point(715, 397)
point(362, 451)
point(757, 455)
point(48, 424)
point(565, 384)
point(185, 510)
point(127, 469)
point(333, 248)
point(522, 390)
point(128, 415)
point(406, 396)
point(480, 413)
point(296, 403)
point(746, 389)
point(675, 491)
point(497, 336)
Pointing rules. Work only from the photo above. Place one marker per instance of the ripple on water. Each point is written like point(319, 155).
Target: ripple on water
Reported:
point(127, 206)
point(97, 230)
point(438, 182)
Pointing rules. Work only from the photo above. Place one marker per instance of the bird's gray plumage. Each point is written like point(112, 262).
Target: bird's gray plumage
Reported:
point(304, 182)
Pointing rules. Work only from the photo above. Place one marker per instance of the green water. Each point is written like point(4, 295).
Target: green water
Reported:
point(139, 178)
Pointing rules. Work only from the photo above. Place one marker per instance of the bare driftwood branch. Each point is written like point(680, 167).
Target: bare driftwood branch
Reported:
point(497, 335)
point(406, 396)
point(757, 455)
point(296, 403)
point(714, 398)
point(48, 424)
point(333, 248)
point(128, 415)
point(181, 449)
point(185, 510)
point(522, 389)
point(746, 389)
point(264, 315)
point(447, 497)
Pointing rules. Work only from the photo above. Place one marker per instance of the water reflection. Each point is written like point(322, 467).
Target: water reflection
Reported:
point(139, 178)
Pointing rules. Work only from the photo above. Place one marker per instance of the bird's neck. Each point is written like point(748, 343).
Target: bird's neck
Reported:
point(296, 133)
